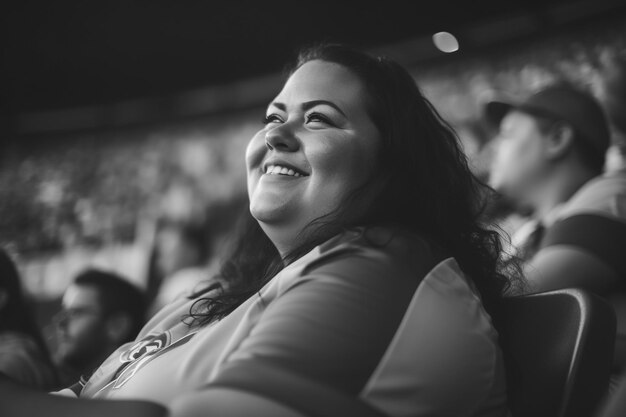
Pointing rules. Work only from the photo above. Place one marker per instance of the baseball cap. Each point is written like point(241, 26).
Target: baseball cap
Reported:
point(562, 102)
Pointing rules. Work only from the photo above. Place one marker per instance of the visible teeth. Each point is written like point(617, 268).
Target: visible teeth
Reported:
point(280, 170)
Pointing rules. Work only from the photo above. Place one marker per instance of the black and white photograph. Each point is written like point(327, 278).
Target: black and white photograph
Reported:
point(313, 208)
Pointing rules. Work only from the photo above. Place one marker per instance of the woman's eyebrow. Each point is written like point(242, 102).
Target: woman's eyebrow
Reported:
point(309, 105)
point(278, 105)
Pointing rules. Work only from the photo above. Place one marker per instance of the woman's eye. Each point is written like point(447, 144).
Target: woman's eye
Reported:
point(317, 117)
point(272, 118)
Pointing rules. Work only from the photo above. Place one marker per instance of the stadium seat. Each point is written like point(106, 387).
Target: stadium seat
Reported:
point(558, 350)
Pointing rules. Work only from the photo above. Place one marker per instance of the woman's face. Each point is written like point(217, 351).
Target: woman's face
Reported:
point(318, 145)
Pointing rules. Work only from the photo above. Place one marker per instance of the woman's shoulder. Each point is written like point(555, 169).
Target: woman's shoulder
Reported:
point(393, 241)
point(375, 249)
point(389, 254)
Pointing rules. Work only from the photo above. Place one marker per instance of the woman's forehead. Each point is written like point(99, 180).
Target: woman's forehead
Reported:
point(322, 80)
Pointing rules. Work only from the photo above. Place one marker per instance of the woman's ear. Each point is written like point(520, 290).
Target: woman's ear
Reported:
point(560, 140)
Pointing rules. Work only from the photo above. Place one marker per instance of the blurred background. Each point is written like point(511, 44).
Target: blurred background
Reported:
point(117, 117)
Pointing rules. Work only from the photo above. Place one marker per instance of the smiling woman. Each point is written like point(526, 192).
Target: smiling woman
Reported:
point(361, 284)
point(316, 127)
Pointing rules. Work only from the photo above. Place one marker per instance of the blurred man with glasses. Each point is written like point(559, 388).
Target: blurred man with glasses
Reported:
point(100, 311)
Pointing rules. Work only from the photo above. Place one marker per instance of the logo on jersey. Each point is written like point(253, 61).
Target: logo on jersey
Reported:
point(146, 346)
point(144, 351)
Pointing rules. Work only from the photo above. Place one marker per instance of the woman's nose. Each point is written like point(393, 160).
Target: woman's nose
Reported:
point(281, 138)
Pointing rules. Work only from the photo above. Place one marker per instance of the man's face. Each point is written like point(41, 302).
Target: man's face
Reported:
point(81, 327)
point(519, 162)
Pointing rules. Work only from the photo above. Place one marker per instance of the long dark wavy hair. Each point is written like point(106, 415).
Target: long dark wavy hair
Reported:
point(428, 188)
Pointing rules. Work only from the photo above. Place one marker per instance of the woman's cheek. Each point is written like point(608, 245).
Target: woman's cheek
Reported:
point(255, 150)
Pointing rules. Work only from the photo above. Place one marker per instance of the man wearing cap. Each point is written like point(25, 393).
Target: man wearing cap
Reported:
point(548, 160)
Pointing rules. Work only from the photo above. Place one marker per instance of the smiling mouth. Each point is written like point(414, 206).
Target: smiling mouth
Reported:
point(282, 170)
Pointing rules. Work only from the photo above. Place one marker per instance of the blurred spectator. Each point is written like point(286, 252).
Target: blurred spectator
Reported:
point(101, 311)
point(549, 159)
point(179, 260)
point(186, 254)
point(23, 353)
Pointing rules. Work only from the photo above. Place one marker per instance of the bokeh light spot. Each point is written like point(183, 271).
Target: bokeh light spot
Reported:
point(445, 42)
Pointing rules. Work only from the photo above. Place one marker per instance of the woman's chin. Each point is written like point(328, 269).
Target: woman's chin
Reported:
point(269, 214)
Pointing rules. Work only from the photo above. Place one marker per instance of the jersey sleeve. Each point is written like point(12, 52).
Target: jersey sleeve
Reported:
point(335, 324)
